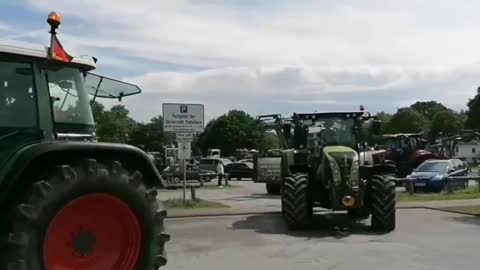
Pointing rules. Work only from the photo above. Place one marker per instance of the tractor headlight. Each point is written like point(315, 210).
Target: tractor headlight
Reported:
point(355, 173)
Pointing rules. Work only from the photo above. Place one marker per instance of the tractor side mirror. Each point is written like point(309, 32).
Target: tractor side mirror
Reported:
point(376, 127)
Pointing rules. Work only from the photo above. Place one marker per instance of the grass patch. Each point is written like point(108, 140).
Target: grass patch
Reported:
point(193, 204)
point(470, 193)
point(474, 210)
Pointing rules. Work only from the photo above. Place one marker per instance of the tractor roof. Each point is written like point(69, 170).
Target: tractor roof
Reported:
point(313, 116)
point(403, 135)
point(38, 51)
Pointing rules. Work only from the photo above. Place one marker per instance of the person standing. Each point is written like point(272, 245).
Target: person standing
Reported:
point(220, 173)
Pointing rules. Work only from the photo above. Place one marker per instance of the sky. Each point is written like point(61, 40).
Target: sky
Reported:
point(269, 56)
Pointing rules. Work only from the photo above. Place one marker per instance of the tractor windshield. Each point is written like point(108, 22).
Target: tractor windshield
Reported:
point(334, 131)
point(69, 96)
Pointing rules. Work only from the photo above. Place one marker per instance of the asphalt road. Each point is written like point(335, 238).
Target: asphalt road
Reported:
point(424, 239)
point(243, 194)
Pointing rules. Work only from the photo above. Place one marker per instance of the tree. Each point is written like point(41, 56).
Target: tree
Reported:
point(385, 118)
point(428, 108)
point(232, 131)
point(150, 136)
point(407, 120)
point(473, 113)
point(447, 122)
point(97, 110)
point(271, 141)
point(114, 125)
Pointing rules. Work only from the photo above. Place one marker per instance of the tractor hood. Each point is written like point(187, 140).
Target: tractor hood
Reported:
point(343, 165)
point(339, 153)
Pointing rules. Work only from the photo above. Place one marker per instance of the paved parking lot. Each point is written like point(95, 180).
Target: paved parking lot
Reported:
point(424, 239)
point(242, 195)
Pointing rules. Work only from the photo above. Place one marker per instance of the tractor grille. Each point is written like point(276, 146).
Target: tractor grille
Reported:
point(344, 161)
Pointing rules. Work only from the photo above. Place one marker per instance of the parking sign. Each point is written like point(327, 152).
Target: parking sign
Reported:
point(183, 118)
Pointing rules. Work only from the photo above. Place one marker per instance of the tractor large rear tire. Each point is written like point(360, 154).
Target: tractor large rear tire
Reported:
point(382, 203)
point(273, 188)
point(296, 208)
point(85, 215)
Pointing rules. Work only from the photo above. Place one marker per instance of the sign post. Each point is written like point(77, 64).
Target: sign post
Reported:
point(184, 120)
point(184, 154)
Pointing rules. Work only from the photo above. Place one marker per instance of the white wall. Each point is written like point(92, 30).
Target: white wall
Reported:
point(468, 151)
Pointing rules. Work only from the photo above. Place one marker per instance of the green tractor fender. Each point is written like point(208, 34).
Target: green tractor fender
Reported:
point(28, 159)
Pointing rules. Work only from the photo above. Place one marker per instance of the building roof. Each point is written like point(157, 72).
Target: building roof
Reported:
point(35, 50)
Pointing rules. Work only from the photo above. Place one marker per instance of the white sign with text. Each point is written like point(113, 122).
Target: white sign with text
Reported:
point(184, 137)
point(183, 118)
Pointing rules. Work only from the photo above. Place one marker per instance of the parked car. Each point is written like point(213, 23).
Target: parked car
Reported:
point(432, 174)
point(211, 163)
point(174, 173)
point(247, 160)
point(239, 170)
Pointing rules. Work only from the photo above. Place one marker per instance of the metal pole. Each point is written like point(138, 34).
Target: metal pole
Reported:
point(449, 186)
point(411, 187)
point(478, 181)
point(184, 180)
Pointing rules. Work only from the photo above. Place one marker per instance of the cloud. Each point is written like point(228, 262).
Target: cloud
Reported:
point(277, 55)
point(293, 89)
point(311, 33)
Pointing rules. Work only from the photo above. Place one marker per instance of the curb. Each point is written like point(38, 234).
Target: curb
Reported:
point(222, 214)
point(447, 210)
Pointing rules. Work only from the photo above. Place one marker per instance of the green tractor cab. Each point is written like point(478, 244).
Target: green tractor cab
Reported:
point(327, 166)
point(66, 200)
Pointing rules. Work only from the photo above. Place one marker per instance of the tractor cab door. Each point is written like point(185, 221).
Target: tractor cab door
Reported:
point(18, 110)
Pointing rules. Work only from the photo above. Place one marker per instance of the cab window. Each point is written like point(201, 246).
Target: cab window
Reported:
point(69, 100)
point(17, 95)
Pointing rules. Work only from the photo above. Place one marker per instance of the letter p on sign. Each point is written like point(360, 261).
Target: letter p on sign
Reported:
point(183, 109)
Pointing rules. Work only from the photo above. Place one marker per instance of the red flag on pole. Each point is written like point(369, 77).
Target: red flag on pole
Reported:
point(57, 52)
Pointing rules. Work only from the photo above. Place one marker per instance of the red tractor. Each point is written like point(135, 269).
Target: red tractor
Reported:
point(406, 151)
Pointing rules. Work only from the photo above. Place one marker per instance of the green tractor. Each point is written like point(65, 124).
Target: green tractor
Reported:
point(329, 166)
point(66, 200)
